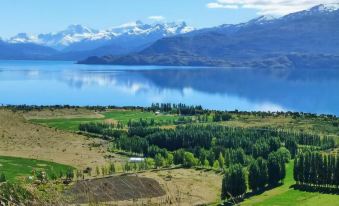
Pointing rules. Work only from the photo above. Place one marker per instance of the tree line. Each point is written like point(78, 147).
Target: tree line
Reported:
point(317, 169)
point(261, 173)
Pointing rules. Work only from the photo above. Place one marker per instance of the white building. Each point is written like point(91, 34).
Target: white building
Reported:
point(136, 159)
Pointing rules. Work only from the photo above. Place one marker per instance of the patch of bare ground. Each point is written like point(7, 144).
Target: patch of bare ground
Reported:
point(20, 138)
point(51, 113)
point(188, 186)
point(184, 187)
point(116, 188)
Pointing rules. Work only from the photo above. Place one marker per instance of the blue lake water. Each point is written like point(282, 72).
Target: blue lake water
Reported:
point(52, 82)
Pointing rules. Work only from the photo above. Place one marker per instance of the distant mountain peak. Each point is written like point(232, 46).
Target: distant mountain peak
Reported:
point(23, 38)
point(325, 7)
point(78, 29)
point(262, 19)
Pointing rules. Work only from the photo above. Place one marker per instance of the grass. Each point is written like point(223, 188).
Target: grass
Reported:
point(286, 195)
point(14, 168)
point(72, 124)
point(125, 115)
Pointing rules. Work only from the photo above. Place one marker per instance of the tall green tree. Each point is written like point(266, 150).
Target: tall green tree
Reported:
point(234, 182)
point(276, 168)
point(253, 175)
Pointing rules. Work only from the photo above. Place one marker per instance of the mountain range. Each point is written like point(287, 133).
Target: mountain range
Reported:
point(308, 38)
point(78, 42)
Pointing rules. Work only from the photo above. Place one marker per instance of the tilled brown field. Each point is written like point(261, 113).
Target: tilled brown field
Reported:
point(117, 188)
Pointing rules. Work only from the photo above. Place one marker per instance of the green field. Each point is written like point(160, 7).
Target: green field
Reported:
point(72, 124)
point(285, 195)
point(124, 116)
point(14, 167)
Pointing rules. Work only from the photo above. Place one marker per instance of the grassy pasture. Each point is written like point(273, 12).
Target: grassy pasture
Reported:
point(15, 167)
point(72, 124)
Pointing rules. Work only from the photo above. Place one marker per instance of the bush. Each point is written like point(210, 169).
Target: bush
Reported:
point(2, 178)
point(189, 160)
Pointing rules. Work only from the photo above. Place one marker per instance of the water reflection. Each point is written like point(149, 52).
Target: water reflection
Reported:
point(245, 89)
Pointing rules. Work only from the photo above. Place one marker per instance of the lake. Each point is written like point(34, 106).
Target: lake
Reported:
point(56, 82)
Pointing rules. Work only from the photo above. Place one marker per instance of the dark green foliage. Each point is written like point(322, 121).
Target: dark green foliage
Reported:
point(2, 178)
point(234, 182)
point(253, 174)
point(285, 154)
point(276, 168)
point(180, 109)
point(317, 169)
point(221, 116)
point(179, 156)
point(292, 145)
point(263, 175)
point(258, 174)
point(69, 174)
point(133, 144)
point(154, 150)
point(235, 156)
point(108, 131)
point(142, 131)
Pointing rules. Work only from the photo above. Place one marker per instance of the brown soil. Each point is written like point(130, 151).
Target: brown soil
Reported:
point(186, 187)
point(20, 138)
point(117, 188)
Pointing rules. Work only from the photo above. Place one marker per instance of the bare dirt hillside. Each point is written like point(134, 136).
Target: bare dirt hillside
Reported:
point(20, 138)
point(118, 188)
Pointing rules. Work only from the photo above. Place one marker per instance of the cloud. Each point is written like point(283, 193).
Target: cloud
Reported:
point(156, 18)
point(216, 5)
point(269, 7)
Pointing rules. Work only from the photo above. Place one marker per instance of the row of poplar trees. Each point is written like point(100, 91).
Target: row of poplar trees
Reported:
point(317, 169)
point(261, 173)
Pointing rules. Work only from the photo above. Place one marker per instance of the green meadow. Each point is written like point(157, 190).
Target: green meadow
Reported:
point(15, 168)
point(123, 116)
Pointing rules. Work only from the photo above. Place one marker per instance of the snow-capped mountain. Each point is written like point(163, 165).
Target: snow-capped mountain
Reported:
point(308, 38)
point(321, 9)
point(71, 38)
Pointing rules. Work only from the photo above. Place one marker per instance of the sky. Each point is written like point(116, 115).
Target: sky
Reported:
point(43, 16)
